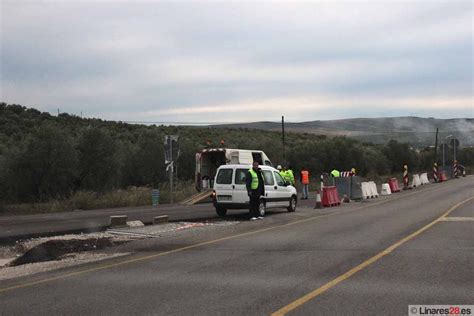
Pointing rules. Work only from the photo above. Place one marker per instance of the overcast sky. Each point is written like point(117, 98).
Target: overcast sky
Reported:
point(240, 61)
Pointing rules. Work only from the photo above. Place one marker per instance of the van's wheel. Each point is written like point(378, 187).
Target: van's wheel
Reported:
point(221, 211)
point(292, 206)
point(261, 208)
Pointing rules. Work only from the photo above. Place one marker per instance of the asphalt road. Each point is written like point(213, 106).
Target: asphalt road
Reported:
point(38, 225)
point(369, 258)
point(26, 226)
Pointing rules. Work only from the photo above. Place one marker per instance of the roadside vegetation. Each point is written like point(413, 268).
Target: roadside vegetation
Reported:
point(57, 163)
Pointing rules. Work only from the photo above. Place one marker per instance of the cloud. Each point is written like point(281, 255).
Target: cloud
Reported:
point(190, 60)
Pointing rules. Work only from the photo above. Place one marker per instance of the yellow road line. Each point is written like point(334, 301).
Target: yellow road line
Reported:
point(107, 266)
point(311, 295)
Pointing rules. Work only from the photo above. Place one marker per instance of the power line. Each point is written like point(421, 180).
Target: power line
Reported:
point(194, 123)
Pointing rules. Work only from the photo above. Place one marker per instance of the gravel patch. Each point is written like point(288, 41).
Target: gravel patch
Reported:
point(43, 254)
point(72, 260)
point(36, 255)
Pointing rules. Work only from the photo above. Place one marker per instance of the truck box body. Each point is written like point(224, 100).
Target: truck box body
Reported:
point(208, 160)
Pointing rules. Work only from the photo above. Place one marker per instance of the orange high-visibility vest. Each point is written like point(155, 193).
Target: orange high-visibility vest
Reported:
point(305, 177)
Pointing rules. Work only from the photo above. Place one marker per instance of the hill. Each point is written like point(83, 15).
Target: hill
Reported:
point(417, 131)
point(45, 157)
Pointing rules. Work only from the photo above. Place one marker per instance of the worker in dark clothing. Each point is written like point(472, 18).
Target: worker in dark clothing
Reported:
point(255, 189)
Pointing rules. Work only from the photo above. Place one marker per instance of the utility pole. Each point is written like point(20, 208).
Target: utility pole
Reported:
point(283, 135)
point(454, 149)
point(444, 156)
point(171, 172)
point(436, 147)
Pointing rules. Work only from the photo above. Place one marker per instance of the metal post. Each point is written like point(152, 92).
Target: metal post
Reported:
point(322, 185)
point(445, 140)
point(171, 171)
point(283, 135)
point(443, 156)
point(454, 150)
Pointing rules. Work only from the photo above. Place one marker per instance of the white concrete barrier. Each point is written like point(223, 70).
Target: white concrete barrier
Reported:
point(424, 178)
point(416, 181)
point(373, 189)
point(385, 189)
point(366, 192)
point(369, 190)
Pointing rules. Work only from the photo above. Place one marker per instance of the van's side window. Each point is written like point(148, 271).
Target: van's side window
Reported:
point(279, 179)
point(224, 176)
point(240, 175)
point(268, 163)
point(268, 177)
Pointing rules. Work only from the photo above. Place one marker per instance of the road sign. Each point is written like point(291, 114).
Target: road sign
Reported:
point(454, 141)
point(171, 148)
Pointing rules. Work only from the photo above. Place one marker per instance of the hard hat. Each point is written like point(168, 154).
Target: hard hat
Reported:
point(353, 170)
point(279, 167)
point(405, 166)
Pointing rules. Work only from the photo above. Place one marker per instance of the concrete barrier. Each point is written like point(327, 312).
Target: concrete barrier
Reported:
point(424, 178)
point(385, 189)
point(118, 220)
point(160, 219)
point(416, 182)
point(365, 190)
point(368, 191)
point(373, 189)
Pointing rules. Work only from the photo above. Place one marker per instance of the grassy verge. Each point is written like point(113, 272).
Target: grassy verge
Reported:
point(87, 200)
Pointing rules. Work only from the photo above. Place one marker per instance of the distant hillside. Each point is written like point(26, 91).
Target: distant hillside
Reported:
point(414, 130)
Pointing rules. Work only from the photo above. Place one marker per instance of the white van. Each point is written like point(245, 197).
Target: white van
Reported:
point(230, 191)
point(208, 160)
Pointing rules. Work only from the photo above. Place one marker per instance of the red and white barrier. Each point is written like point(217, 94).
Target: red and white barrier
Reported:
point(393, 183)
point(442, 176)
point(330, 197)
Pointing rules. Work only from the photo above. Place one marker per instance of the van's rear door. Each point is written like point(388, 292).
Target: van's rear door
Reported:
point(223, 185)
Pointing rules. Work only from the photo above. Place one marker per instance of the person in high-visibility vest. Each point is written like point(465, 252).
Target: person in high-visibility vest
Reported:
point(335, 173)
point(285, 175)
point(255, 189)
point(353, 172)
point(304, 178)
point(291, 176)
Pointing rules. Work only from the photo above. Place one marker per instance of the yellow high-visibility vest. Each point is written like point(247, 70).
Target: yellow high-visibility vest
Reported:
point(254, 183)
